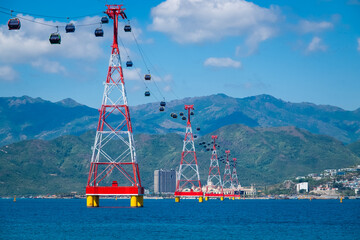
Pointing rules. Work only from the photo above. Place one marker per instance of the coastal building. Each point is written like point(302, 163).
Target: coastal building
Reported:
point(302, 186)
point(164, 181)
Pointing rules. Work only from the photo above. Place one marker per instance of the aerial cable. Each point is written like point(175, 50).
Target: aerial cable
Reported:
point(143, 58)
point(137, 71)
point(143, 55)
point(49, 25)
point(46, 16)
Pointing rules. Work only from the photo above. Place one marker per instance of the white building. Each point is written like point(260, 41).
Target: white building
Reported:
point(302, 186)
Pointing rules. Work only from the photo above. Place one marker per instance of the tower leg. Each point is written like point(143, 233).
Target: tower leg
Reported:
point(137, 201)
point(200, 199)
point(177, 199)
point(92, 201)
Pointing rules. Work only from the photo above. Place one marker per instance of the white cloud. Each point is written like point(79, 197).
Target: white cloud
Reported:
point(358, 41)
point(48, 66)
point(306, 26)
point(133, 74)
point(222, 62)
point(316, 44)
point(194, 21)
point(167, 88)
point(7, 73)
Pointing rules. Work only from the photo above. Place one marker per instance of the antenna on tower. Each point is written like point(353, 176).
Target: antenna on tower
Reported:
point(188, 179)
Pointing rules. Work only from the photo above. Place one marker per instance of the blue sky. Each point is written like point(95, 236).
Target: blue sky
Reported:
point(299, 51)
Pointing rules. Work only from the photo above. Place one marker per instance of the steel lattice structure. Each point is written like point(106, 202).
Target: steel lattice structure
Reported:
point(114, 169)
point(188, 178)
point(214, 187)
point(228, 182)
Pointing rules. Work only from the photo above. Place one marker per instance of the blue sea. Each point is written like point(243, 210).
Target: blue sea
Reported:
point(189, 219)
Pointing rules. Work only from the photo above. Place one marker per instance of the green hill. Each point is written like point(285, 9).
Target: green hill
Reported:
point(355, 148)
point(265, 156)
point(24, 118)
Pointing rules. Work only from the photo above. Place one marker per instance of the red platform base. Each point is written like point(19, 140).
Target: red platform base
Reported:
point(188, 194)
point(229, 195)
point(214, 194)
point(129, 191)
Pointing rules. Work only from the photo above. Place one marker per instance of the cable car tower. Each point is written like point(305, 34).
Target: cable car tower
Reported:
point(188, 179)
point(113, 168)
point(235, 180)
point(214, 186)
point(228, 182)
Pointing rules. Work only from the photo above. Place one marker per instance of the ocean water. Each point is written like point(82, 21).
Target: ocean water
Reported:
point(189, 219)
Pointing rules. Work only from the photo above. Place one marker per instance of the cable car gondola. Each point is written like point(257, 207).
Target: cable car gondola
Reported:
point(163, 103)
point(99, 32)
point(161, 109)
point(147, 77)
point(147, 93)
point(129, 63)
point(181, 114)
point(183, 118)
point(69, 28)
point(105, 19)
point(174, 115)
point(192, 113)
point(195, 136)
point(127, 28)
point(55, 38)
point(198, 129)
point(14, 24)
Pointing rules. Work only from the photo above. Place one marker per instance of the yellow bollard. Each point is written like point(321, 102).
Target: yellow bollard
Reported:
point(15, 198)
point(233, 198)
point(206, 198)
point(200, 199)
point(340, 199)
point(137, 201)
point(177, 199)
point(221, 198)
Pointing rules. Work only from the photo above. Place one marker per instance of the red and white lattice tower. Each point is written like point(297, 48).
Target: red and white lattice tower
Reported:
point(214, 186)
point(228, 182)
point(188, 179)
point(235, 180)
point(114, 169)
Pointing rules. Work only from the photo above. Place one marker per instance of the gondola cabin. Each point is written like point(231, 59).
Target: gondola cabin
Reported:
point(181, 114)
point(147, 93)
point(14, 24)
point(192, 113)
point(70, 28)
point(183, 118)
point(195, 136)
point(174, 115)
point(163, 103)
point(99, 32)
point(105, 20)
point(198, 129)
point(55, 38)
point(129, 64)
point(161, 109)
point(147, 77)
point(127, 28)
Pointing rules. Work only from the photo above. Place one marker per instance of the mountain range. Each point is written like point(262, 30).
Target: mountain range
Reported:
point(23, 118)
point(264, 156)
